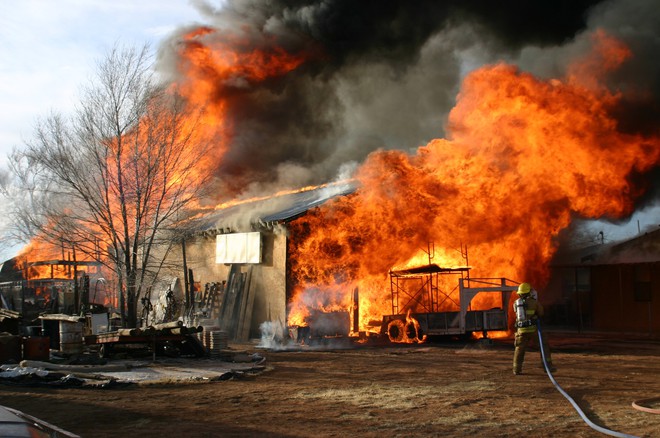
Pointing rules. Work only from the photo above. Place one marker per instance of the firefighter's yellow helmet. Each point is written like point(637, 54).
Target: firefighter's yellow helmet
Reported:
point(524, 288)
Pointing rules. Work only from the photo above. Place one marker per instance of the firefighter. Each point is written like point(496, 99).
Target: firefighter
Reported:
point(528, 310)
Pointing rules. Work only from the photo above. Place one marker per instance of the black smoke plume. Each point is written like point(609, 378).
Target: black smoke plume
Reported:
point(383, 74)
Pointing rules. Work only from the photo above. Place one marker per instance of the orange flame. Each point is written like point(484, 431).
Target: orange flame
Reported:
point(524, 155)
point(405, 331)
point(496, 334)
point(31, 261)
point(212, 65)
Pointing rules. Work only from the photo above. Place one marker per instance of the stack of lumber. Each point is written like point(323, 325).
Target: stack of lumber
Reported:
point(217, 343)
point(6, 313)
point(237, 304)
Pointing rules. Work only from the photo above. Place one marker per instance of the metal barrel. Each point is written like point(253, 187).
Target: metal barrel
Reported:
point(71, 337)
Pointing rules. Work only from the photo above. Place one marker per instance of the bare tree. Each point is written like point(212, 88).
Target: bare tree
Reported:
point(117, 179)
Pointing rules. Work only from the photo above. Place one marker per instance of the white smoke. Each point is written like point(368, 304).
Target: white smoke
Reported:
point(274, 336)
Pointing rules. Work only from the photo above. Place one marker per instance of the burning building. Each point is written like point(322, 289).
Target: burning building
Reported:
point(459, 124)
point(527, 147)
point(32, 289)
point(241, 252)
point(243, 257)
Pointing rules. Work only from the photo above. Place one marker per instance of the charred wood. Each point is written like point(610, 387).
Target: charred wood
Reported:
point(167, 325)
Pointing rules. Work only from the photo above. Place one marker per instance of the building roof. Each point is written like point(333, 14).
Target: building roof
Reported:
point(244, 216)
point(9, 270)
point(644, 248)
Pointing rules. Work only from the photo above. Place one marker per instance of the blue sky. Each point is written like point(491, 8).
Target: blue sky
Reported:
point(49, 49)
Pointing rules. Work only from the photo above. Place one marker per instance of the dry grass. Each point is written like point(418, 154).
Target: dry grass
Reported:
point(395, 397)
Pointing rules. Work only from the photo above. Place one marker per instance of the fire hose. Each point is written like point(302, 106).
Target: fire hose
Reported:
point(639, 405)
point(570, 399)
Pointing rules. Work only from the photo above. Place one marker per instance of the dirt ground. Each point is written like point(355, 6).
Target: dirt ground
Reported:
point(454, 389)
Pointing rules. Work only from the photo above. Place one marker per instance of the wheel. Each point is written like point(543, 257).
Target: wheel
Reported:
point(105, 351)
point(411, 331)
point(396, 330)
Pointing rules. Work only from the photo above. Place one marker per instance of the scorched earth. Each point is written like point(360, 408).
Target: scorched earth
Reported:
point(449, 389)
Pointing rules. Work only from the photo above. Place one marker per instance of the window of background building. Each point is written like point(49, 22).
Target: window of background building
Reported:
point(642, 285)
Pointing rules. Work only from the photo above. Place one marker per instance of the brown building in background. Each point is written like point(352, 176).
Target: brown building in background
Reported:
point(609, 287)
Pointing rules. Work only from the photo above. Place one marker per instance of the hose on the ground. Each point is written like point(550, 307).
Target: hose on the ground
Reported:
point(639, 405)
point(568, 397)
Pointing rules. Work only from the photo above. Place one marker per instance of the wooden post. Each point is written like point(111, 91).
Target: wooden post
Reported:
point(168, 325)
point(579, 301)
point(356, 310)
point(76, 288)
point(246, 308)
point(185, 270)
point(191, 293)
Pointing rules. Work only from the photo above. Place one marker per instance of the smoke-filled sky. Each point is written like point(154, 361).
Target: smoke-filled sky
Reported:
point(384, 74)
point(378, 74)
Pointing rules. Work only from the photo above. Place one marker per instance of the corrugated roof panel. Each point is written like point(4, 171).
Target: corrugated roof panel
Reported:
point(274, 209)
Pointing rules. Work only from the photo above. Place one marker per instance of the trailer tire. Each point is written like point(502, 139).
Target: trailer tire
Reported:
point(396, 330)
point(414, 331)
point(105, 351)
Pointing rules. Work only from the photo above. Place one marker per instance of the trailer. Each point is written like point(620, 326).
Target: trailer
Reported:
point(109, 343)
point(171, 339)
point(436, 301)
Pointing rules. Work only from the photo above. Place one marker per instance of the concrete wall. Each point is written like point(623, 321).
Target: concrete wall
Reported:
point(268, 277)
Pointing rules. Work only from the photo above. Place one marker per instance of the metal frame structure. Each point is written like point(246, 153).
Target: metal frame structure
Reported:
point(428, 298)
point(470, 287)
point(27, 295)
point(429, 295)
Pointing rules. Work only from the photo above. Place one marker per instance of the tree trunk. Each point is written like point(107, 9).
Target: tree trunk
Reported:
point(131, 304)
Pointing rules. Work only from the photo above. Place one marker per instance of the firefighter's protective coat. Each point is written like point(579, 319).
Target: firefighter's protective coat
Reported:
point(528, 310)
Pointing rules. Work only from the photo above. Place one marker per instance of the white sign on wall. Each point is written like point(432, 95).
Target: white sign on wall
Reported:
point(238, 248)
